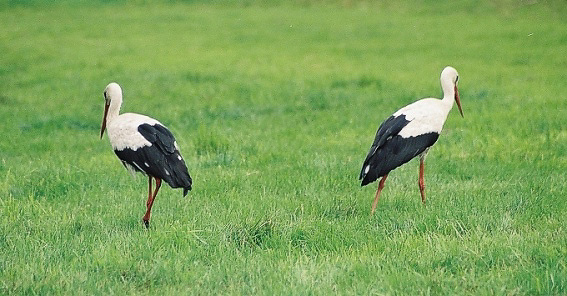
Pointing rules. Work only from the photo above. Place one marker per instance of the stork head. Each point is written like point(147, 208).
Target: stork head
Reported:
point(112, 101)
point(449, 81)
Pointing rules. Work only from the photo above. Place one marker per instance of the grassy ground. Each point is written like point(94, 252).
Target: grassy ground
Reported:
point(274, 107)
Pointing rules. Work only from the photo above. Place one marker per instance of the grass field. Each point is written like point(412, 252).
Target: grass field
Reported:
point(274, 106)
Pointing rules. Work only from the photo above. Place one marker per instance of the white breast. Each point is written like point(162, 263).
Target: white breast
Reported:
point(123, 131)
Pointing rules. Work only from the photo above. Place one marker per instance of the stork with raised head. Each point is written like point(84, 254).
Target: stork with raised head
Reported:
point(143, 145)
point(408, 133)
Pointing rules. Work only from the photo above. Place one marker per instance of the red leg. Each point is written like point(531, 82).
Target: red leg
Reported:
point(150, 201)
point(149, 190)
point(380, 187)
point(422, 179)
point(146, 218)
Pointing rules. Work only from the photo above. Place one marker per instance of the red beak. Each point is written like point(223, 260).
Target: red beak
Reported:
point(103, 126)
point(458, 100)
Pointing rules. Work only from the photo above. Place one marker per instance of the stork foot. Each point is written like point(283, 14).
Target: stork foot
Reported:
point(147, 223)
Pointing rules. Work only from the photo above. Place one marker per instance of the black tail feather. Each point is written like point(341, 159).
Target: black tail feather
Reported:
point(186, 190)
point(178, 173)
point(368, 177)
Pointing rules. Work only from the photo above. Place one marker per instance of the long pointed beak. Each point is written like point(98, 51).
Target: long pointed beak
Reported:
point(458, 100)
point(103, 125)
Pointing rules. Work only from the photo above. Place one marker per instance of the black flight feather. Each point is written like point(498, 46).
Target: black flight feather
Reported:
point(390, 150)
point(160, 160)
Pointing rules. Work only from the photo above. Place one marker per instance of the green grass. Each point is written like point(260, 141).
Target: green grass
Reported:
point(274, 107)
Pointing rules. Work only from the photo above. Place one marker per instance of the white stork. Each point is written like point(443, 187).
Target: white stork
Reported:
point(143, 145)
point(410, 132)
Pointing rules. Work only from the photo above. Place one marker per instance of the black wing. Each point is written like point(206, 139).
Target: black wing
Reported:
point(390, 150)
point(160, 160)
point(387, 130)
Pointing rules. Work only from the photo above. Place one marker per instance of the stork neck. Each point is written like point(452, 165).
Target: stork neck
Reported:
point(113, 110)
point(448, 94)
point(449, 98)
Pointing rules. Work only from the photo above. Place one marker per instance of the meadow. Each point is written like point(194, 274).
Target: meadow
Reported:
point(274, 106)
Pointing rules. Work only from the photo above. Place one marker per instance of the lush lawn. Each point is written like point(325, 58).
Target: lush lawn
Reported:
point(275, 107)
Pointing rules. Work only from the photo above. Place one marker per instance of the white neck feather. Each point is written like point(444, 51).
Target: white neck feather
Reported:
point(113, 109)
point(113, 92)
point(448, 93)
